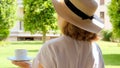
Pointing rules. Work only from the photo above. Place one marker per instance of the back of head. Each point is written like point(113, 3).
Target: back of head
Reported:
point(77, 33)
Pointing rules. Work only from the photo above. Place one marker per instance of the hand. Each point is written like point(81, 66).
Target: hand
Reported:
point(22, 64)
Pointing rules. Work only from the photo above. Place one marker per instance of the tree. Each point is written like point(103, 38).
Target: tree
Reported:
point(114, 13)
point(7, 17)
point(39, 16)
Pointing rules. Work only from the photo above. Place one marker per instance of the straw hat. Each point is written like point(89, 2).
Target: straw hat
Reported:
point(79, 13)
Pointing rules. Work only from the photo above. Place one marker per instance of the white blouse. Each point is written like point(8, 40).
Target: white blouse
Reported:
point(65, 52)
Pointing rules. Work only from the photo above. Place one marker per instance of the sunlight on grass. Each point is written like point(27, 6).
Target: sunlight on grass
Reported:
point(111, 54)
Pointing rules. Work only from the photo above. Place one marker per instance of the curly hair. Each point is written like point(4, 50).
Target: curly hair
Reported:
point(77, 33)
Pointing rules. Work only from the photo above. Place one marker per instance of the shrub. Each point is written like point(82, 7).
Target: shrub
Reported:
point(107, 35)
point(7, 17)
point(4, 33)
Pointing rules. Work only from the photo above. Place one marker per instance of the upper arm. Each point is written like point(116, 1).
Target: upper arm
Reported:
point(101, 61)
point(97, 53)
point(44, 59)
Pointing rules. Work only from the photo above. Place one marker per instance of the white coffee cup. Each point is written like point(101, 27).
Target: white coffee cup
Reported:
point(20, 55)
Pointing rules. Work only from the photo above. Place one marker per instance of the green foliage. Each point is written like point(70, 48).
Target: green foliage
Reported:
point(4, 33)
point(107, 35)
point(7, 17)
point(39, 16)
point(114, 13)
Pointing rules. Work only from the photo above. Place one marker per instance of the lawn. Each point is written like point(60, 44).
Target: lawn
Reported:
point(111, 52)
point(8, 50)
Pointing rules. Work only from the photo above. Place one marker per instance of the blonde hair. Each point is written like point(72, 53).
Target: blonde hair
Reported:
point(77, 33)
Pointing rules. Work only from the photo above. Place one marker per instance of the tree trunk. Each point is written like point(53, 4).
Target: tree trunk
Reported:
point(44, 36)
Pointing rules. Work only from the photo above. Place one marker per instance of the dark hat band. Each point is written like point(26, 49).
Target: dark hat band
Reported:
point(77, 11)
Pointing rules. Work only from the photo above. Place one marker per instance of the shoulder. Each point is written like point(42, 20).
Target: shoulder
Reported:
point(95, 45)
point(96, 49)
point(53, 42)
point(47, 52)
point(48, 48)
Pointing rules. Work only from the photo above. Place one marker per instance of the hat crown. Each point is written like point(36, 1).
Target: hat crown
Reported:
point(80, 13)
point(87, 6)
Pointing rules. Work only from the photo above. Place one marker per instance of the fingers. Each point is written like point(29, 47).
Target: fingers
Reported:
point(23, 64)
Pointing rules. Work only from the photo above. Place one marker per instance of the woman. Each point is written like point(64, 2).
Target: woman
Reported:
point(77, 47)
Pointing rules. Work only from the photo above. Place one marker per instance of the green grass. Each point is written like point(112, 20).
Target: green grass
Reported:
point(111, 52)
point(8, 50)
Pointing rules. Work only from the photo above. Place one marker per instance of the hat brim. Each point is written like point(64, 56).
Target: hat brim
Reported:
point(95, 25)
